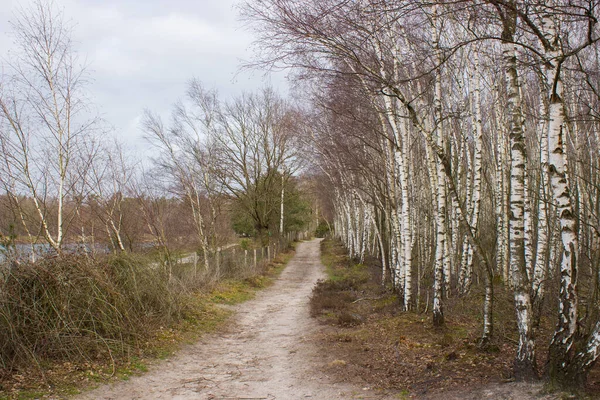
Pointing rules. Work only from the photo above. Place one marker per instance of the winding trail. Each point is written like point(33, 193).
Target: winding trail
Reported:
point(267, 354)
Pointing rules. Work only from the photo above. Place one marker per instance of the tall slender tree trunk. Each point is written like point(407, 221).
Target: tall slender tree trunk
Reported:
point(540, 269)
point(475, 197)
point(502, 239)
point(525, 359)
point(281, 204)
point(440, 282)
point(407, 235)
point(564, 335)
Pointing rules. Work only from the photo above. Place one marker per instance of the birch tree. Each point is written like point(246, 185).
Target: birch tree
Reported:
point(476, 92)
point(111, 179)
point(176, 161)
point(46, 132)
point(525, 359)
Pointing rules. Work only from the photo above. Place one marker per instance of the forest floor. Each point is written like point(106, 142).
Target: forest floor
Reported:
point(274, 349)
point(369, 341)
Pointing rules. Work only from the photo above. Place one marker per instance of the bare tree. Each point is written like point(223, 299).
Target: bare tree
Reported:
point(174, 160)
point(46, 132)
point(111, 177)
point(256, 148)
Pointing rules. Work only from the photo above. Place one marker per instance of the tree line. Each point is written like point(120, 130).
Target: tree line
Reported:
point(220, 168)
point(460, 143)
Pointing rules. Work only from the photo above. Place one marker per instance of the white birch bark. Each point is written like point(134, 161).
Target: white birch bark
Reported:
point(502, 251)
point(475, 192)
point(528, 228)
point(564, 334)
point(525, 358)
point(281, 204)
point(402, 231)
point(540, 269)
point(381, 247)
point(407, 234)
point(440, 281)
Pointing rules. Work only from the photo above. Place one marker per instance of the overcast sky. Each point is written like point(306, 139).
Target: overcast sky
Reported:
point(141, 53)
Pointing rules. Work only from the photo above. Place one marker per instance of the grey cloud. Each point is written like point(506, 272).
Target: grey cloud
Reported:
point(140, 54)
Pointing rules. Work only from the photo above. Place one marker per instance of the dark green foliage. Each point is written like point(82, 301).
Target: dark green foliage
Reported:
point(242, 222)
point(257, 212)
point(328, 296)
point(335, 296)
point(322, 229)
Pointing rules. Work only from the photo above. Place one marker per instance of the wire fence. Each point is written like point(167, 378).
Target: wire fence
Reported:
point(234, 260)
point(193, 269)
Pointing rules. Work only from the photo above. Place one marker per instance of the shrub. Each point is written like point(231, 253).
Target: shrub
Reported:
point(322, 230)
point(349, 319)
point(330, 296)
point(245, 244)
point(72, 307)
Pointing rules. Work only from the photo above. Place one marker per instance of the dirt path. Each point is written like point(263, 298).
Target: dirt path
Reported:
point(265, 355)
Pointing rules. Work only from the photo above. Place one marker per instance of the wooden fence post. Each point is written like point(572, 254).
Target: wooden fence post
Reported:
point(195, 264)
point(218, 261)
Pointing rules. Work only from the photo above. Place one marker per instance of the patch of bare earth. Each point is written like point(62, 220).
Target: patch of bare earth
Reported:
point(268, 353)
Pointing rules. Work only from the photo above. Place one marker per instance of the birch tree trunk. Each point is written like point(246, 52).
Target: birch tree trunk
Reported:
point(542, 248)
point(564, 335)
point(408, 226)
point(525, 359)
point(402, 228)
point(440, 282)
point(475, 197)
point(501, 195)
point(281, 204)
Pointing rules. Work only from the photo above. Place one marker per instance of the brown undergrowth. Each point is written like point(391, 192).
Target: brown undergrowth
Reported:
point(369, 340)
point(72, 323)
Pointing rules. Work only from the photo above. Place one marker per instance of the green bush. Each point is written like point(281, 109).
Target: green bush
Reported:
point(322, 229)
point(246, 244)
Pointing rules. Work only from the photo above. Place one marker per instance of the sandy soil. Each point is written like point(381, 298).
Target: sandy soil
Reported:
point(267, 354)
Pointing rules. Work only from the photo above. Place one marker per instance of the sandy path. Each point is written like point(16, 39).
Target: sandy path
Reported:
point(266, 355)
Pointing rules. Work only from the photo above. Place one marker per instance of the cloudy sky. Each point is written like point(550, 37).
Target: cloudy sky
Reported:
point(141, 53)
